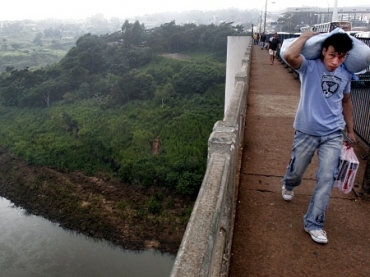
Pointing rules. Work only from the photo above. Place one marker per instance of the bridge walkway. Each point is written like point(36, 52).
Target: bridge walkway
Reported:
point(269, 239)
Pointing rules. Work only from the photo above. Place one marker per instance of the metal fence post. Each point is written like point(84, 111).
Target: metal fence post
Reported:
point(366, 180)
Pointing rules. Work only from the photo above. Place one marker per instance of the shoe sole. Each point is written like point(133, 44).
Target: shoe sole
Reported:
point(316, 239)
point(288, 199)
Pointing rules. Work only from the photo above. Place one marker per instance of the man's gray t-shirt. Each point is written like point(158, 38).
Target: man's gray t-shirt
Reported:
point(320, 108)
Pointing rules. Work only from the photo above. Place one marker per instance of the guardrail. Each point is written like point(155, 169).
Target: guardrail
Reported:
point(206, 245)
point(360, 96)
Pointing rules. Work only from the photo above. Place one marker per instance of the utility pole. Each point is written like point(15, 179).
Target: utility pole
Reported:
point(327, 16)
point(335, 11)
point(264, 22)
point(260, 22)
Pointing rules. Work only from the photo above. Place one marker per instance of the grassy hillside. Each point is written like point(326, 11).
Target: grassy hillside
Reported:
point(21, 49)
point(122, 104)
point(111, 140)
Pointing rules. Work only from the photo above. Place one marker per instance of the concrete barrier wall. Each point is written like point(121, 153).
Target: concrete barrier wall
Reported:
point(206, 245)
point(236, 47)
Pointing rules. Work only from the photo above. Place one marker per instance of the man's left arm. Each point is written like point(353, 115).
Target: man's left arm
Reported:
point(347, 115)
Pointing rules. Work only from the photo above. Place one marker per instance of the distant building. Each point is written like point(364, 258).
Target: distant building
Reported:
point(358, 15)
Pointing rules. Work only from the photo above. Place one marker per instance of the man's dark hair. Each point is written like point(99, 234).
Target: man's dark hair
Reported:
point(341, 42)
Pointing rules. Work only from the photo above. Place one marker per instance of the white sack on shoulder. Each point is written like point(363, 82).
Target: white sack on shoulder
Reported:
point(359, 57)
point(357, 60)
point(284, 46)
point(312, 48)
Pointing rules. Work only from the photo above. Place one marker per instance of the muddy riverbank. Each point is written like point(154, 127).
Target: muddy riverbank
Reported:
point(132, 217)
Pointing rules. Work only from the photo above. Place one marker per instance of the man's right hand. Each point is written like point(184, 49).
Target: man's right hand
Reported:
point(309, 34)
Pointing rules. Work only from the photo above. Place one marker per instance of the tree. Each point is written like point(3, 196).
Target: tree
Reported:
point(37, 40)
point(138, 32)
point(133, 85)
point(9, 69)
point(126, 34)
point(196, 78)
point(15, 45)
point(164, 94)
point(133, 34)
point(88, 54)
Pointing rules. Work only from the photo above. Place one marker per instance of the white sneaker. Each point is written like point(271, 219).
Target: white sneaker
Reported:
point(318, 236)
point(287, 194)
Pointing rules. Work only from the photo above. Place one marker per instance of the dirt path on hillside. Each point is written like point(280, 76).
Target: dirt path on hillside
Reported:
point(177, 56)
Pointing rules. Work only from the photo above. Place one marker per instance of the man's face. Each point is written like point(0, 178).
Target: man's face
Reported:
point(332, 59)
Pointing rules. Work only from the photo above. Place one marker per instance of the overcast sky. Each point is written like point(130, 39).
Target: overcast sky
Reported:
point(42, 9)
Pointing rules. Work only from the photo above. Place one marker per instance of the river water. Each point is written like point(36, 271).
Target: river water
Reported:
point(31, 246)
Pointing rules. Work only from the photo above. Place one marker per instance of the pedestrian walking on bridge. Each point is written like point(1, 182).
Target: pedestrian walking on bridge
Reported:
point(324, 112)
point(273, 46)
point(263, 41)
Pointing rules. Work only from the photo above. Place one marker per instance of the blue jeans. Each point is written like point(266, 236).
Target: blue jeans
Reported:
point(328, 149)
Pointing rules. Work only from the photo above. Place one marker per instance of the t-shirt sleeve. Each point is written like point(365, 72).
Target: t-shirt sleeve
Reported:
point(303, 66)
point(347, 89)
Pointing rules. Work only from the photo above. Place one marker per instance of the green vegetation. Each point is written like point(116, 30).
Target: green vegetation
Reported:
point(20, 47)
point(113, 104)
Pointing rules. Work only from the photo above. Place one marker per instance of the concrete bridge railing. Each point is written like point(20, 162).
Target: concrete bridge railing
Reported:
point(206, 245)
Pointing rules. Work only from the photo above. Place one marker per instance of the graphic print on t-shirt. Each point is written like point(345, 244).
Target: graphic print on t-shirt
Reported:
point(330, 85)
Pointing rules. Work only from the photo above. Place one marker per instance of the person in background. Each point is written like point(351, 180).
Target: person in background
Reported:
point(255, 40)
point(324, 112)
point(273, 46)
point(263, 40)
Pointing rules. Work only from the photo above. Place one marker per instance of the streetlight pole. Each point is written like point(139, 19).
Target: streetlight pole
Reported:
point(327, 20)
point(260, 22)
point(264, 22)
point(335, 11)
